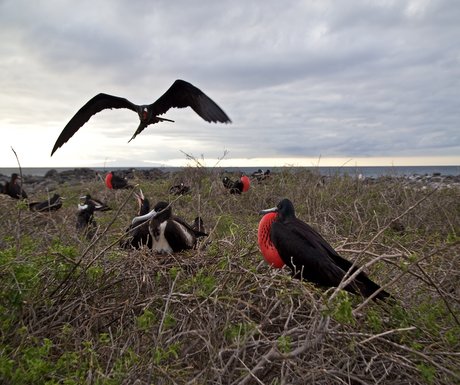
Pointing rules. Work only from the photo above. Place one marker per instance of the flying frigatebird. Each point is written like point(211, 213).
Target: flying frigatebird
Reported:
point(180, 95)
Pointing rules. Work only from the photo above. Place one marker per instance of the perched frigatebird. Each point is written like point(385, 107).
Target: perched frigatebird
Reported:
point(52, 204)
point(13, 188)
point(285, 239)
point(238, 186)
point(181, 94)
point(179, 189)
point(260, 175)
point(115, 182)
point(96, 203)
point(85, 220)
point(170, 234)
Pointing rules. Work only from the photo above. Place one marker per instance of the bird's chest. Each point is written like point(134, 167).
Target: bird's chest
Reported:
point(160, 244)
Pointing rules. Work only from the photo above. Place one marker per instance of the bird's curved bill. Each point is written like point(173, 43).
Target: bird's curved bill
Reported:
point(145, 217)
point(266, 211)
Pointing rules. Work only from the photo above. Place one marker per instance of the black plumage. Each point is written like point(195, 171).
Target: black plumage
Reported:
point(170, 234)
point(52, 204)
point(14, 188)
point(85, 220)
point(115, 182)
point(310, 256)
point(260, 175)
point(237, 187)
point(181, 94)
point(179, 189)
point(96, 203)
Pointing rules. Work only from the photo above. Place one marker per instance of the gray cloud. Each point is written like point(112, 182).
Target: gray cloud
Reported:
point(297, 78)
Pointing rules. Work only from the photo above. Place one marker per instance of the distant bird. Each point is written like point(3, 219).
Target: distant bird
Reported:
point(98, 205)
point(284, 239)
point(85, 220)
point(261, 175)
point(238, 186)
point(170, 234)
point(181, 94)
point(138, 234)
point(179, 189)
point(115, 182)
point(14, 189)
point(52, 204)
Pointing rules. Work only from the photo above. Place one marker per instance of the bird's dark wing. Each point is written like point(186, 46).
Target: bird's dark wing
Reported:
point(182, 94)
point(327, 267)
point(99, 205)
point(304, 255)
point(119, 182)
point(175, 236)
point(97, 104)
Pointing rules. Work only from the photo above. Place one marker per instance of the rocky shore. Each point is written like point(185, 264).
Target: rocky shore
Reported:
point(435, 180)
point(53, 179)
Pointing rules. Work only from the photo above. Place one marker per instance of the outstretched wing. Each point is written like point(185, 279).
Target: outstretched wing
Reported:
point(97, 104)
point(182, 94)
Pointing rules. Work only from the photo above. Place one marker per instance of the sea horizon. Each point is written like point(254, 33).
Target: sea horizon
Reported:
point(366, 171)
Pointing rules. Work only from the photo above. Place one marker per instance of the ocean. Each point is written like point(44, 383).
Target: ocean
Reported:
point(368, 172)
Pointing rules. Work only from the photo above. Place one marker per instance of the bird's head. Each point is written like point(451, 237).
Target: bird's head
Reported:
point(162, 209)
point(284, 209)
point(144, 114)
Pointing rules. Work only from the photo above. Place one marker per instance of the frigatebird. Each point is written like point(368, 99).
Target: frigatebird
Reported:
point(260, 175)
point(238, 186)
point(115, 182)
point(138, 233)
point(180, 95)
point(85, 219)
point(13, 188)
point(170, 234)
point(179, 189)
point(285, 239)
point(52, 204)
point(96, 203)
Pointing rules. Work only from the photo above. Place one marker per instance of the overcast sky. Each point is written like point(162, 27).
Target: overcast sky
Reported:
point(303, 81)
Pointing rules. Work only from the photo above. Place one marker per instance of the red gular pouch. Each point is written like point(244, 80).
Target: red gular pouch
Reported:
point(108, 180)
point(266, 246)
point(246, 183)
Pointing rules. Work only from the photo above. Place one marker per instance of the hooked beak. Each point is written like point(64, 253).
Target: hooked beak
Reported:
point(145, 217)
point(272, 210)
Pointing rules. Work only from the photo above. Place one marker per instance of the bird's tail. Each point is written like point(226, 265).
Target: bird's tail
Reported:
point(367, 287)
point(143, 125)
point(138, 131)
